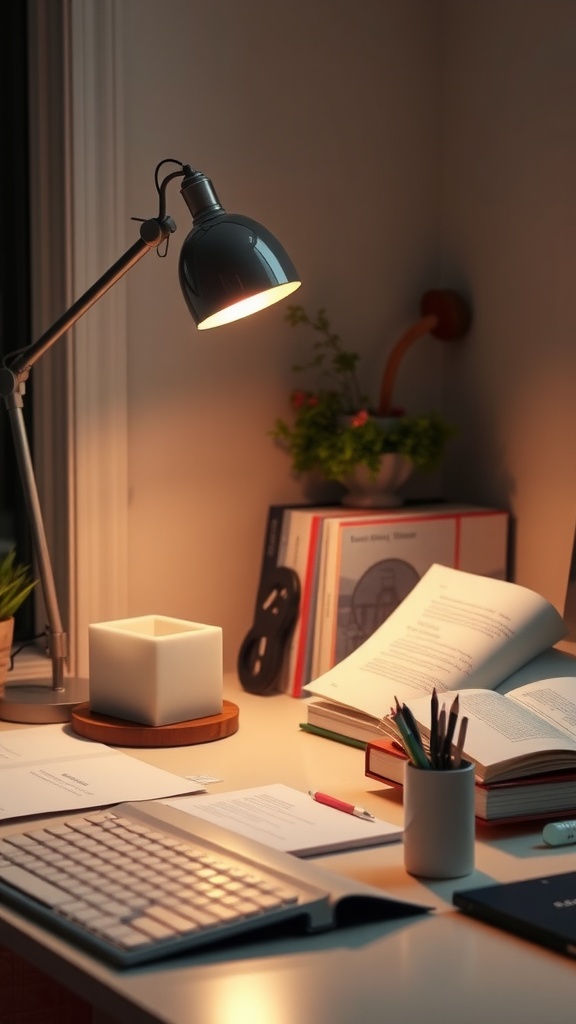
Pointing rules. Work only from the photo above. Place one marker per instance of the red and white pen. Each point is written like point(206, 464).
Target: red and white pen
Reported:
point(341, 805)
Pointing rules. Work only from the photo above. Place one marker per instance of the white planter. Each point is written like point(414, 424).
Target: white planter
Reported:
point(365, 491)
point(155, 670)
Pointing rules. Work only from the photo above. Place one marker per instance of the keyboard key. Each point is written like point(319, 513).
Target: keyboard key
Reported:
point(33, 886)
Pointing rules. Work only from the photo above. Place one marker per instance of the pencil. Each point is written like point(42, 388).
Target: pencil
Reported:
point(434, 728)
point(447, 744)
point(441, 731)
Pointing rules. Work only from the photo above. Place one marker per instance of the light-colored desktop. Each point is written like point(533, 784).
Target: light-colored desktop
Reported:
point(424, 966)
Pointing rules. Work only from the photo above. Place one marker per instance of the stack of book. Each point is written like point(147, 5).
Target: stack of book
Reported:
point(491, 642)
point(356, 566)
point(530, 797)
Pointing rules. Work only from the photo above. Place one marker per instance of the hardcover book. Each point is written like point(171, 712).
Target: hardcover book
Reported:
point(540, 909)
point(534, 797)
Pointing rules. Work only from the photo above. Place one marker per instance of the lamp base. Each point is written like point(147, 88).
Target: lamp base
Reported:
point(37, 703)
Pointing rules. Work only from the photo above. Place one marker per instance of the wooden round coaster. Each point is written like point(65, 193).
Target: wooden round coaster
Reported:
point(121, 733)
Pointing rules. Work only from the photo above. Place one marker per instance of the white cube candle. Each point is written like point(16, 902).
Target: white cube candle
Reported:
point(155, 670)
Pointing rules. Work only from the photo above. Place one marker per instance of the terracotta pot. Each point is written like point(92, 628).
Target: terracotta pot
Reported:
point(6, 638)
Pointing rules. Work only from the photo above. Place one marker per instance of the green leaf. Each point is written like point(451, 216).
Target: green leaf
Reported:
point(16, 583)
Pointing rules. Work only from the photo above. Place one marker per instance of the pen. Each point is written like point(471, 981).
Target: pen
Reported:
point(411, 723)
point(341, 805)
point(413, 748)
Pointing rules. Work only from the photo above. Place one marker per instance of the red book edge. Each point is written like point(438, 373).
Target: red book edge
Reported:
point(568, 775)
point(297, 683)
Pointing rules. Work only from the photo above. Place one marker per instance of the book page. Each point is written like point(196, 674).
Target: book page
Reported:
point(506, 731)
point(552, 664)
point(454, 630)
point(553, 701)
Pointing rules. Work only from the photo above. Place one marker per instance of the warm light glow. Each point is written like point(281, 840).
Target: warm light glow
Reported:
point(258, 994)
point(250, 305)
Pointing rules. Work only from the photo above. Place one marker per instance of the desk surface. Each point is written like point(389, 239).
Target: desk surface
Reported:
point(436, 968)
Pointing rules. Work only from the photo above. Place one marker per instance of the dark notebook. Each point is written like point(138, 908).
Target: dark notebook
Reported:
point(540, 909)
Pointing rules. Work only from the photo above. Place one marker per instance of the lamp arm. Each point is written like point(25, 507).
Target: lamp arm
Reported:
point(152, 233)
point(12, 387)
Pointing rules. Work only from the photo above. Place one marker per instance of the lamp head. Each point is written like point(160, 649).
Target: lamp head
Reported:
point(230, 266)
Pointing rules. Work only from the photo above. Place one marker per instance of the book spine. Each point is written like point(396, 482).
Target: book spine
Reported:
point(297, 551)
point(298, 674)
point(271, 548)
point(303, 544)
point(326, 610)
point(394, 760)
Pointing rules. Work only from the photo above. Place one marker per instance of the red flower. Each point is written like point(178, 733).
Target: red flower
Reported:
point(360, 418)
point(297, 399)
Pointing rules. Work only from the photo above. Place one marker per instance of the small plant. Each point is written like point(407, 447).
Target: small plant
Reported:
point(333, 427)
point(16, 583)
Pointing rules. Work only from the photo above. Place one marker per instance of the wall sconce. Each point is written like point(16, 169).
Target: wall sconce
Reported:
point(229, 267)
point(445, 314)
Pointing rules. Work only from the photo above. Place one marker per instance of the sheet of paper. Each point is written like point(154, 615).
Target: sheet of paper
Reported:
point(287, 819)
point(49, 769)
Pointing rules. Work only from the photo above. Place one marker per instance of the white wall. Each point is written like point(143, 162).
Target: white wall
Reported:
point(322, 121)
point(391, 146)
point(508, 232)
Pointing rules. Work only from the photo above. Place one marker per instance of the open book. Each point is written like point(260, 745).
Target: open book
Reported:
point(457, 631)
point(531, 729)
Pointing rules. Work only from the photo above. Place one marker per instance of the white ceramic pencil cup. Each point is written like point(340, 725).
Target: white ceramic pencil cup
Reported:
point(155, 670)
point(439, 825)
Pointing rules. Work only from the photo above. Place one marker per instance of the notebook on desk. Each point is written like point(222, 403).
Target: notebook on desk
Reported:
point(540, 909)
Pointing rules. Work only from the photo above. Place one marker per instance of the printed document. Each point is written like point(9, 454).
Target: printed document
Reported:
point(287, 819)
point(49, 769)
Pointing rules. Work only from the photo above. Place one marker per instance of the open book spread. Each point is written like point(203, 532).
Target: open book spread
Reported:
point(453, 631)
point(530, 730)
point(487, 640)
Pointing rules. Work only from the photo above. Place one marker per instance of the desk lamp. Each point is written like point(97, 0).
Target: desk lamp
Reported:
point(230, 266)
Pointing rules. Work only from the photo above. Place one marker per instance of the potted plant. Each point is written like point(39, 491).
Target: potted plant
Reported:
point(16, 584)
point(334, 430)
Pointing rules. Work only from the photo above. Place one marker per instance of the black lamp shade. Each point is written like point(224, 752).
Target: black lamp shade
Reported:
point(231, 266)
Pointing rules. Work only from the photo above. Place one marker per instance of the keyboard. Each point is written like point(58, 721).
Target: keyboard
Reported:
point(134, 886)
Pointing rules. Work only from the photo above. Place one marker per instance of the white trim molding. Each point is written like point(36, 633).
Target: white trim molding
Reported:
point(80, 399)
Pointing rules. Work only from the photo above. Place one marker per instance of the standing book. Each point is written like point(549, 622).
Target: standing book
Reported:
point(275, 541)
point(264, 665)
point(301, 533)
